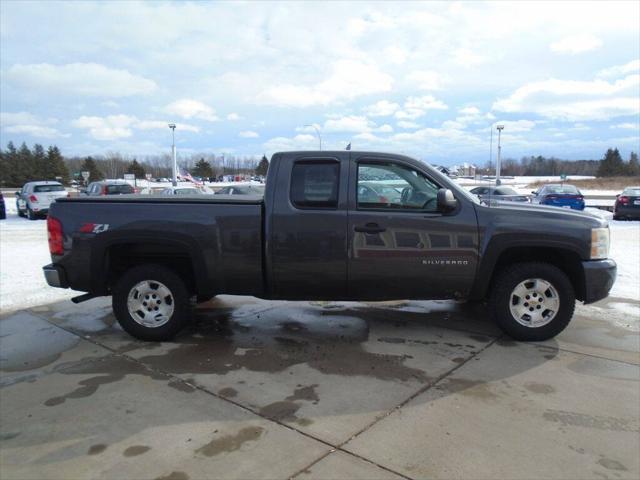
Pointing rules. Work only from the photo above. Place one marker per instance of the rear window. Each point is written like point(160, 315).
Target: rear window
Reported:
point(631, 191)
point(118, 189)
point(315, 184)
point(505, 191)
point(187, 191)
point(48, 188)
point(562, 189)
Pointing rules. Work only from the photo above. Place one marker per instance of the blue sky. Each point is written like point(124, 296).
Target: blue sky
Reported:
point(425, 79)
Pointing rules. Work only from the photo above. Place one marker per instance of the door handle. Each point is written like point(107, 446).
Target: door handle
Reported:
point(369, 228)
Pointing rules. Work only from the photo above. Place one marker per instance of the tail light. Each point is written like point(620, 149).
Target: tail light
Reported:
point(624, 200)
point(103, 191)
point(33, 198)
point(54, 228)
point(580, 197)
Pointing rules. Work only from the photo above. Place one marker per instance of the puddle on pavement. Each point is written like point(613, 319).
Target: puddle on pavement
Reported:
point(230, 443)
point(28, 342)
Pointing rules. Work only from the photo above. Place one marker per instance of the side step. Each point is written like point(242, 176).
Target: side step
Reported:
point(84, 298)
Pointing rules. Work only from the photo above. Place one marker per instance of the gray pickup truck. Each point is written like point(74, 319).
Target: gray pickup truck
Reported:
point(332, 225)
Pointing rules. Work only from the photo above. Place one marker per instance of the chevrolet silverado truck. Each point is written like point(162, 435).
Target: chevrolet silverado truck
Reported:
point(332, 225)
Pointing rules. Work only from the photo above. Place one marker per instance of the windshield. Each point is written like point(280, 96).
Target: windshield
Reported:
point(187, 191)
point(117, 189)
point(48, 188)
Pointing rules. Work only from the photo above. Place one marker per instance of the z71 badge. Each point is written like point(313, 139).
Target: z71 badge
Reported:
point(94, 227)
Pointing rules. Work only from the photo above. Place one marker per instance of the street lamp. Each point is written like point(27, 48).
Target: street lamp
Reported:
point(174, 178)
point(499, 128)
point(318, 133)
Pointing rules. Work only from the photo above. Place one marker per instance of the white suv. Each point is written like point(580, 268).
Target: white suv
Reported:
point(35, 197)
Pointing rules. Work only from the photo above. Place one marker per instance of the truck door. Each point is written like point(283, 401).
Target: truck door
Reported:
point(308, 227)
point(400, 245)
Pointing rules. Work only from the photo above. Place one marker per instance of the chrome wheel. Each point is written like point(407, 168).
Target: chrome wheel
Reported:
point(150, 303)
point(534, 303)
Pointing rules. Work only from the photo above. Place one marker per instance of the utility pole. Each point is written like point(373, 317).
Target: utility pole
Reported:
point(174, 178)
point(499, 128)
point(490, 146)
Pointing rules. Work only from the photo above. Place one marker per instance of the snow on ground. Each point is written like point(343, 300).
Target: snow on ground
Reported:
point(24, 250)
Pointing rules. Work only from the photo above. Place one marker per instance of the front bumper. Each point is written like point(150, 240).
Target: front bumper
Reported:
point(55, 276)
point(599, 276)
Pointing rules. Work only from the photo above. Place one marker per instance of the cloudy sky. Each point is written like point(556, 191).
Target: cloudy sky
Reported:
point(425, 79)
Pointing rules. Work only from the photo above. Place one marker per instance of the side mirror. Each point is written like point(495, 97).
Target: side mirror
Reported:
point(533, 192)
point(446, 200)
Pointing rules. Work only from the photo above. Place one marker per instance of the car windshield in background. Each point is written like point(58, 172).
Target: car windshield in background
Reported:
point(48, 188)
point(116, 189)
point(570, 189)
point(634, 192)
point(187, 191)
point(505, 191)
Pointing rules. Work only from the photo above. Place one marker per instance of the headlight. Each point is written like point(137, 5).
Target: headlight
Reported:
point(599, 243)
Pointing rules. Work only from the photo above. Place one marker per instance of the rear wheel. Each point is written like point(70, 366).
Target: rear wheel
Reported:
point(532, 301)
point(30, 214)
point(151, 302)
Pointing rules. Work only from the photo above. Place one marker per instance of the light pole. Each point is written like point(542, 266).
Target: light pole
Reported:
point(317, 133)
point(174, 178)
point(499, 128)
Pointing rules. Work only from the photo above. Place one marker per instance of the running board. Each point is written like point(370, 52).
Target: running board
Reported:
point(83, 298)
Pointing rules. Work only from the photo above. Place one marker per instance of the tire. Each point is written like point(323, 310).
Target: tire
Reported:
point(509, 297)
point(31, 215)
point(141, 283)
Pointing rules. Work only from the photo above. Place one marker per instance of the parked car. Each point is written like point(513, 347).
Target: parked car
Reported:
point(627, 204)
point(375, 192)
point(34, 199)
point(241, 190)
point(565, 196)
point(3, 208)
point(309, 237)
point(181, 191)
point(109, 187)
point(492, 194)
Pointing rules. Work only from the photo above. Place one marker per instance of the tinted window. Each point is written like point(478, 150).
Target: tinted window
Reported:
point(187, 191)
point(561, 189)
point(48, 188)
point(118, 189)
point(505, 191)
point(395, 187)
point(315, 184)
point(631, 191)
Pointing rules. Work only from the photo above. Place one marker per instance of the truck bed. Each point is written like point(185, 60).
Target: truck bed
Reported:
point(209, 199)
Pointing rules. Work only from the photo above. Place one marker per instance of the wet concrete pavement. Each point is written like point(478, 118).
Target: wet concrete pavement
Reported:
point(259, 389)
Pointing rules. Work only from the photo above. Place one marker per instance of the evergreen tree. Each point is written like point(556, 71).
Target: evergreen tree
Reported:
point(136, 169)
point(611, 165)
point(25, 168)
point(8, 163)
point(633, 167)
point(56, 167)
point(89, 165)
point(263, 166)
point(202, 169)
point(39, 164)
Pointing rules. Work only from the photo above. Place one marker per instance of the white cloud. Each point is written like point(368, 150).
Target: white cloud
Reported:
point(407, 125)
point(113, 127)
point(348, 123)
point(416, 107)
point(395, 55)
point(511, 126)
point(627, 126)
point(86, 79)
point(632, 67)
point(301, 141)
point(426, 80)
point(575, 100)
point(470, 111)
point(468, 58)
point(349, 79)
point(189, 108)
point(575, 44)
point(248, 134)
point(233, 117)
point(29, 124)
point(382, 108)
point(36, 131)
point(386, 128)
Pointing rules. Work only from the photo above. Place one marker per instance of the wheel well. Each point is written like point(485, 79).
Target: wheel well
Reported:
point(120, 258)
point(566, 260)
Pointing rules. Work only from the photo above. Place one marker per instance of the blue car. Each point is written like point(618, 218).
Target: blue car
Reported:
point(564, 196)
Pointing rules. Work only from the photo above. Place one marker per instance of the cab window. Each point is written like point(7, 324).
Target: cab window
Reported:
point(314, 184)
point(391, 186)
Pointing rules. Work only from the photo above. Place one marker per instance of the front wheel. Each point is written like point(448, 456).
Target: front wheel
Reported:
point(151, 302)
point(532, 301)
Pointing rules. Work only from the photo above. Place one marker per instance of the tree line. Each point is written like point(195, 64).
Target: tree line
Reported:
point(24, 164)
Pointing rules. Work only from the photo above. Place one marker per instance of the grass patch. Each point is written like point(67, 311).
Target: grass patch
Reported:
point(605, 183)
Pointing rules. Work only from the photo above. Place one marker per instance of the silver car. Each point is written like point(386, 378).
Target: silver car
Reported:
point(35, 197)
